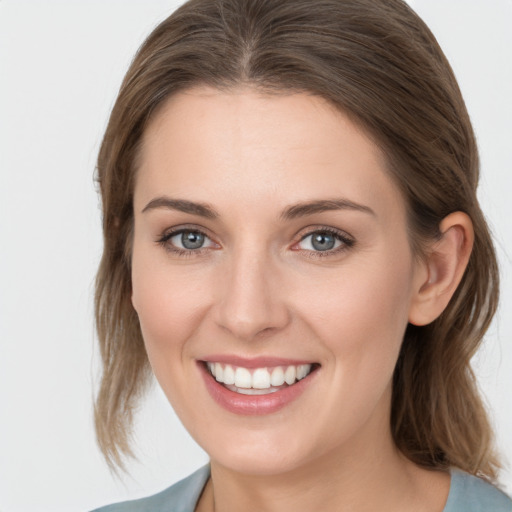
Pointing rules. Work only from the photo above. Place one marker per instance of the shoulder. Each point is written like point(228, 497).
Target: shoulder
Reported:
point(471, 494)
point(180, 497)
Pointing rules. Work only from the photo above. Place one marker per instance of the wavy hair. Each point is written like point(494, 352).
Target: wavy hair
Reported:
point(379, 63)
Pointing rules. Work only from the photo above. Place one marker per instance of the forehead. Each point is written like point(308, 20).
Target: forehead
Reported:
point(205, 144)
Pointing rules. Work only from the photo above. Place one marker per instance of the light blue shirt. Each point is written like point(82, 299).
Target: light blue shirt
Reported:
point(467, 494)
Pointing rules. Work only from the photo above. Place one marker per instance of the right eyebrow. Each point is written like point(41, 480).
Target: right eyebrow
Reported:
point(182, 205)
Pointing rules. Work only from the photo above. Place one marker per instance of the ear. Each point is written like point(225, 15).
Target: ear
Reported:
point(445, 264)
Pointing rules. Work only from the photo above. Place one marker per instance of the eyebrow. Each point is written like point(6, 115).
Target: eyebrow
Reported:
point(182, 205)
point(323, 205)
point(291, 212)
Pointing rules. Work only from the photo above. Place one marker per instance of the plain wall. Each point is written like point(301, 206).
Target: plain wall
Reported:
point(61, 64)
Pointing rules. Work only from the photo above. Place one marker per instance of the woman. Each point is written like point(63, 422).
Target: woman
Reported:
point(294, 247)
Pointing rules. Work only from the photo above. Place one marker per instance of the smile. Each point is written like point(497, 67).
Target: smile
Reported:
point(257, 381)
point(256, 386)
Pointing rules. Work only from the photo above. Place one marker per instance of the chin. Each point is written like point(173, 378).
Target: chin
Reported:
point(256, 463)
point(260, 453)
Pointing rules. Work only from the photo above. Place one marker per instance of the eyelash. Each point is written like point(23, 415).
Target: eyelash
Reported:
point(346, 243)
point(184, 253)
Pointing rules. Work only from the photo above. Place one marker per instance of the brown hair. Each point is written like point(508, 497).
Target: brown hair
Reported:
point(380, 64)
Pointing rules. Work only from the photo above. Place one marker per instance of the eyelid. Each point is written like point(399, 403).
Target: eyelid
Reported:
point(347, 241)
point(206, 238)
point(174, 230)
point(168, 234)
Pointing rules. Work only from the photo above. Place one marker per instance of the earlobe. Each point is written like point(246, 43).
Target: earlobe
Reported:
point(445, 264)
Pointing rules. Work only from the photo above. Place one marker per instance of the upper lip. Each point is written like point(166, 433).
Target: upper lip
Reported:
point(254, 362)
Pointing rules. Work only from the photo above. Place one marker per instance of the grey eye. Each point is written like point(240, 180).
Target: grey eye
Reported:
point(189, 240)
point(320, 241)
point(323, 241)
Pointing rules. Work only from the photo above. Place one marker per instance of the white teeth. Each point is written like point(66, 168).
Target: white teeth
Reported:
point(229, 375)
point(243, 378)
point(251, 391)
point(259, 380)
point(303, 370)
point(277, 378)
point(290, 375)
point(219, 373)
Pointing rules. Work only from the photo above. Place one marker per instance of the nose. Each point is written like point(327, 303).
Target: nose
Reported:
point(250, 302)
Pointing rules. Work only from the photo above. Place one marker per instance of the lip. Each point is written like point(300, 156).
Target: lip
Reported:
point(254, 405)
point(254, 362)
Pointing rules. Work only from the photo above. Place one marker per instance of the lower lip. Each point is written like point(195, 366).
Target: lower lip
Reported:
point(253, 405)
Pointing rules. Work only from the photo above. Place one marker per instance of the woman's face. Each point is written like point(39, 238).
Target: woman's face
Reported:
point(269, 244)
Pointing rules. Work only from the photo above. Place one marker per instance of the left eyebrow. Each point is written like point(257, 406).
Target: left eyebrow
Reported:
point(324, 205)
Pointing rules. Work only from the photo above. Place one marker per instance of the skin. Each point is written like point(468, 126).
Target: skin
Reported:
point(259, 288)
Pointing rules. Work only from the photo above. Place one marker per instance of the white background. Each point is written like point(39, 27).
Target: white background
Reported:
point(61, 63)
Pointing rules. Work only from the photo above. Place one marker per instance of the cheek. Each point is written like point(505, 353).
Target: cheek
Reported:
point(169, 304)
point(359, 316)
point(362, 313)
